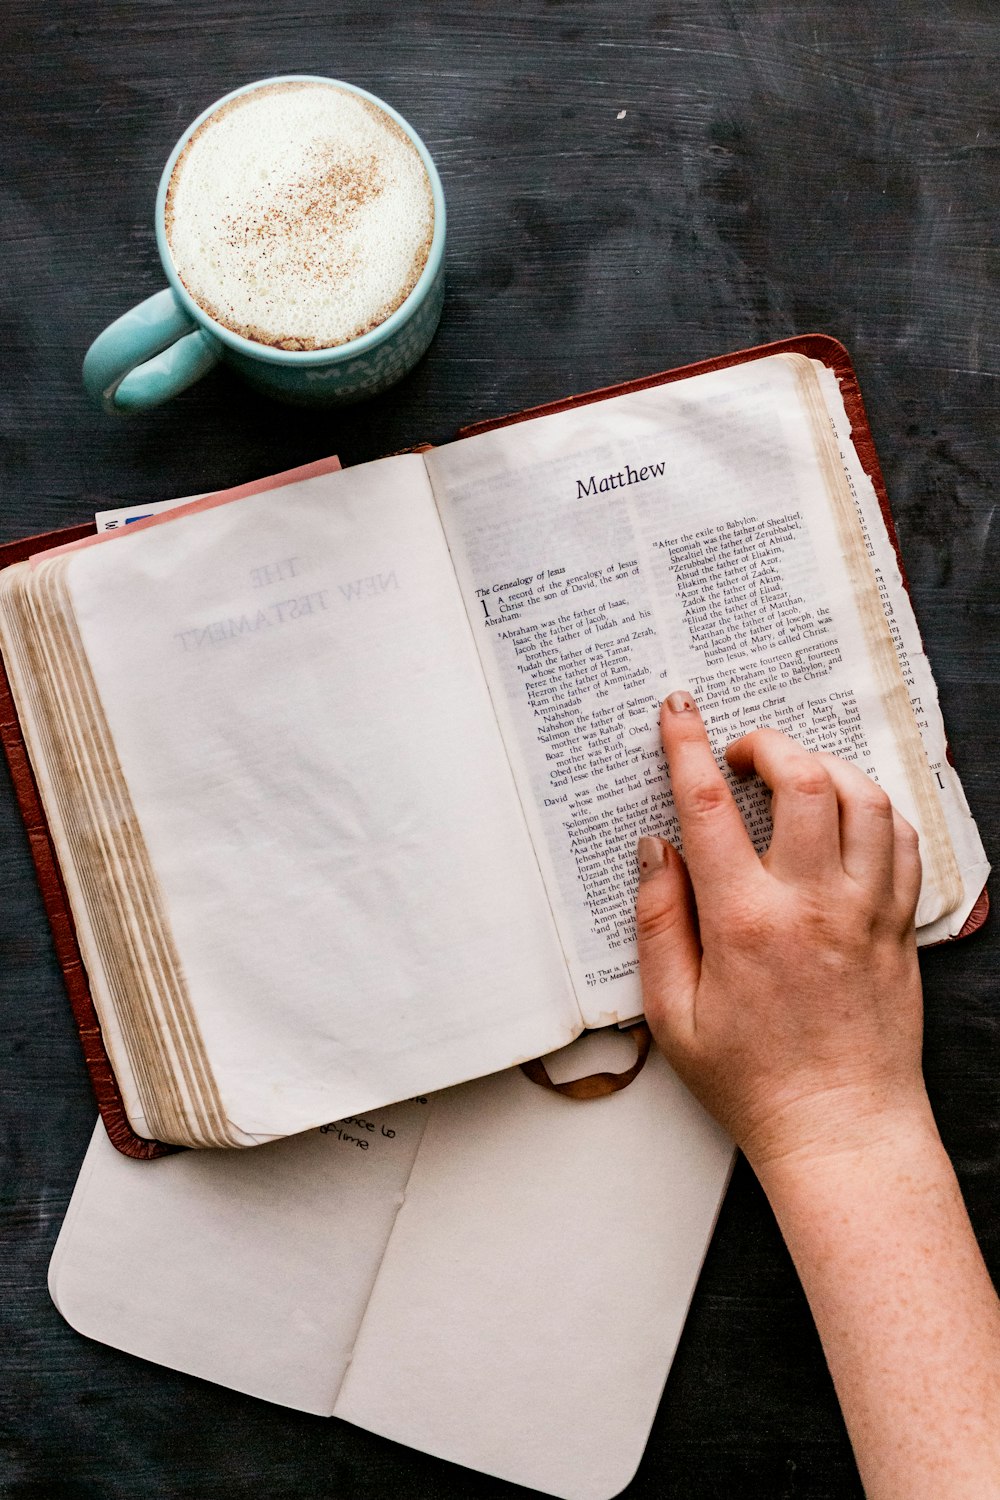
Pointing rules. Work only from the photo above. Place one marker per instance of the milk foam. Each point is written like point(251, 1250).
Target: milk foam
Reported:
point(299, 215)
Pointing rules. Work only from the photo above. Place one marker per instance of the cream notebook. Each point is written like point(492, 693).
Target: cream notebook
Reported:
point(497, 1275)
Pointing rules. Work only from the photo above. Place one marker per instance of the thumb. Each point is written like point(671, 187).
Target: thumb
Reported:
point(669, 946)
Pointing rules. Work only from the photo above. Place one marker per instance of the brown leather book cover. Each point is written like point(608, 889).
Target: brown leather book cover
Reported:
point(109, 1099)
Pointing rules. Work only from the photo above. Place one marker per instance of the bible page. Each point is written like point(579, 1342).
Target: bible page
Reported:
point(248, 1268)
point(301, 722)
point(682, 536)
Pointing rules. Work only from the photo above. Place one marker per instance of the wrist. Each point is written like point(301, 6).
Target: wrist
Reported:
point(848, 1142)
point(882, 1149)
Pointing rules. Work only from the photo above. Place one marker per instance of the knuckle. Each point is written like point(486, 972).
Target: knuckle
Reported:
point(820, 932)
point(809, 778)
point(747, 924)
point(650, 925)
point(875, 803)
point(906, 833)
point(657, 919)
point(706, 796)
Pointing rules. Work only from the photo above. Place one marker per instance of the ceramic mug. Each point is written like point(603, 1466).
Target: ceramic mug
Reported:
point(166, 343)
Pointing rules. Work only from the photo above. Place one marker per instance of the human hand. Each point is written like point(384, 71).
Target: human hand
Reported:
point(784, 990)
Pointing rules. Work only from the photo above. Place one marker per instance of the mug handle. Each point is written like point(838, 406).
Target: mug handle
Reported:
point(149, 354)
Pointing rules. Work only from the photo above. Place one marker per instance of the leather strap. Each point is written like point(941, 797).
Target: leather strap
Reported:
point(595, 1085)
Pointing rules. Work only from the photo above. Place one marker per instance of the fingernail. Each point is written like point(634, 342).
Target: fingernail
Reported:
point(652, 856)
point(680, 703)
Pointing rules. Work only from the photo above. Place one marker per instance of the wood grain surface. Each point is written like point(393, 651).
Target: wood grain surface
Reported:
point(630, 187)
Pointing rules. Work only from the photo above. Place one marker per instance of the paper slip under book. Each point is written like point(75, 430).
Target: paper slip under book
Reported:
point(344, 778)
point(494, 1275)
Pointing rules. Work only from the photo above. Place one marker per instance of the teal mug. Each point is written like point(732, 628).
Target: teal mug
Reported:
point(166, 343)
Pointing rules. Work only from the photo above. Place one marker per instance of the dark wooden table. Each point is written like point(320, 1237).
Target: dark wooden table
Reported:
point(630, 187)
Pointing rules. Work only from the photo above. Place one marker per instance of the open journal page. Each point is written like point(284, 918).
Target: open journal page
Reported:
point(333, 835)
point(498, 1276)
point(249, 1268)
point(698, 534)
point(537, 1279)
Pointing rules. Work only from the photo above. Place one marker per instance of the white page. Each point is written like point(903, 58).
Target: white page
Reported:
point(248, 1268)
point(338, 840)
point(524, 1316)
point(537, 1279)
point(584, 617)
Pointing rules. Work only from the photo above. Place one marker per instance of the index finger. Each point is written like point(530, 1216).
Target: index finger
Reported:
point(717, 847)
point(806, 837)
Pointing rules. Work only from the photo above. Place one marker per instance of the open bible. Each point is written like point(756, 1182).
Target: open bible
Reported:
point(344, 778)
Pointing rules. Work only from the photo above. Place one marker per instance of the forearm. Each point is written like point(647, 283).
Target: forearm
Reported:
point(909, 1319)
